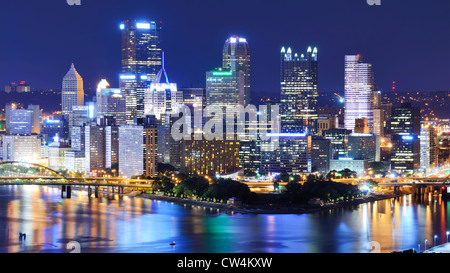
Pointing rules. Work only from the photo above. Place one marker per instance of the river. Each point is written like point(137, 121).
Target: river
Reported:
point(121, 224)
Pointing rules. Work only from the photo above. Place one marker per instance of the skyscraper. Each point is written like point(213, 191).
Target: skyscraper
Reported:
point(162, 97)
point(110, 102)
point(141, 61)
point(299, 91)
point(405, 129)
point(359, 87)
point(236, 57)
point(72, 91)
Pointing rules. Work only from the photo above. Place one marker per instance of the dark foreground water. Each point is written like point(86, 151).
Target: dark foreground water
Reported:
point(125, 224)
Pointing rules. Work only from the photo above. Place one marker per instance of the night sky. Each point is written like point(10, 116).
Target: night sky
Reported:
point(407, 41)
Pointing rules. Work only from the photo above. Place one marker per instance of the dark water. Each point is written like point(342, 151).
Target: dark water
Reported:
point(123, 224)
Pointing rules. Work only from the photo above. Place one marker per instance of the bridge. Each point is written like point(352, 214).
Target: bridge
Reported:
point(419, 185)
point(22, 173)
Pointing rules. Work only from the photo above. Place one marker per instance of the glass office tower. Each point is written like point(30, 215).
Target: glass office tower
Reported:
point(359, 87)
point(299, 91)
point(72, 93)
point(236, 57)
point(141, 62)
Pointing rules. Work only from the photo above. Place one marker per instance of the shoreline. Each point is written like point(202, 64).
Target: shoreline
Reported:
point(255, 209)
point(249, 209)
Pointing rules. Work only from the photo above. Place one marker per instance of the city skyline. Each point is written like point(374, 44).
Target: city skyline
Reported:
point(98, 62)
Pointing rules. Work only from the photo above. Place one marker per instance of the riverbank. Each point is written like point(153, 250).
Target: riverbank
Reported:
point(269, 208)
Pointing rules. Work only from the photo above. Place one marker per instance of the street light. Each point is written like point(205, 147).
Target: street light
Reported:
point(448, 232)
point(435, 237)
point(425, 245)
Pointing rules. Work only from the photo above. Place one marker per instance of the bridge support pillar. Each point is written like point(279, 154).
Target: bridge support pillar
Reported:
point(96, 192)
point(66, 189)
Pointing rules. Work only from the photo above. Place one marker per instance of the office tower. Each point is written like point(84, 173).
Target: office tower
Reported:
point(2, 123)
point(72, 92)
point(25, 148)
point(95, 147)
point(162, 97)
point(321, 154)
point(53, 127)
point(428, 148)
point(81, 115)
point(379, 122)
point(101, 146)
point(359, 166)
point(236, 57)
point(299, 91)
point(359, 87)
point(444, 148)
point(150, 141)
point(193, 96)
point(56, 155)
point(210, 157)
point(22, 121)
point(75, 160)
point(361, 126)
point(110, 103)
point(131, 156)
point(405, 130)
point(224, 88)
point(339, 141)
point(293, 154)
point(363, 146)
point(386, 116)
point(141, 61)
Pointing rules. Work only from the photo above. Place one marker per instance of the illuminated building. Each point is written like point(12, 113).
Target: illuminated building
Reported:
point(141, 61)
point(298, 103)
point(359, 88)
point(56, 155)
point(293, 154)
point(364, 146)
point(428, 148)
point(131, 157)
point(321, 154)
point(339, 141)
point(210, 157)
point(326, 123)
point(358, 166)
point(26, 148)
point(236, 57)
point(72, 92)
point(110, 103)
point(444, 148)
point(405, 130)
point(162, 97)
point(361, 126)
point(22, 121)
point(224, 88)
point(150, 141)
point(52, 127)
point(101, 145)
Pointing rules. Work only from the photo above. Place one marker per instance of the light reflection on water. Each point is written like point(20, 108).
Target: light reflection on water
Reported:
point(125, 224)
